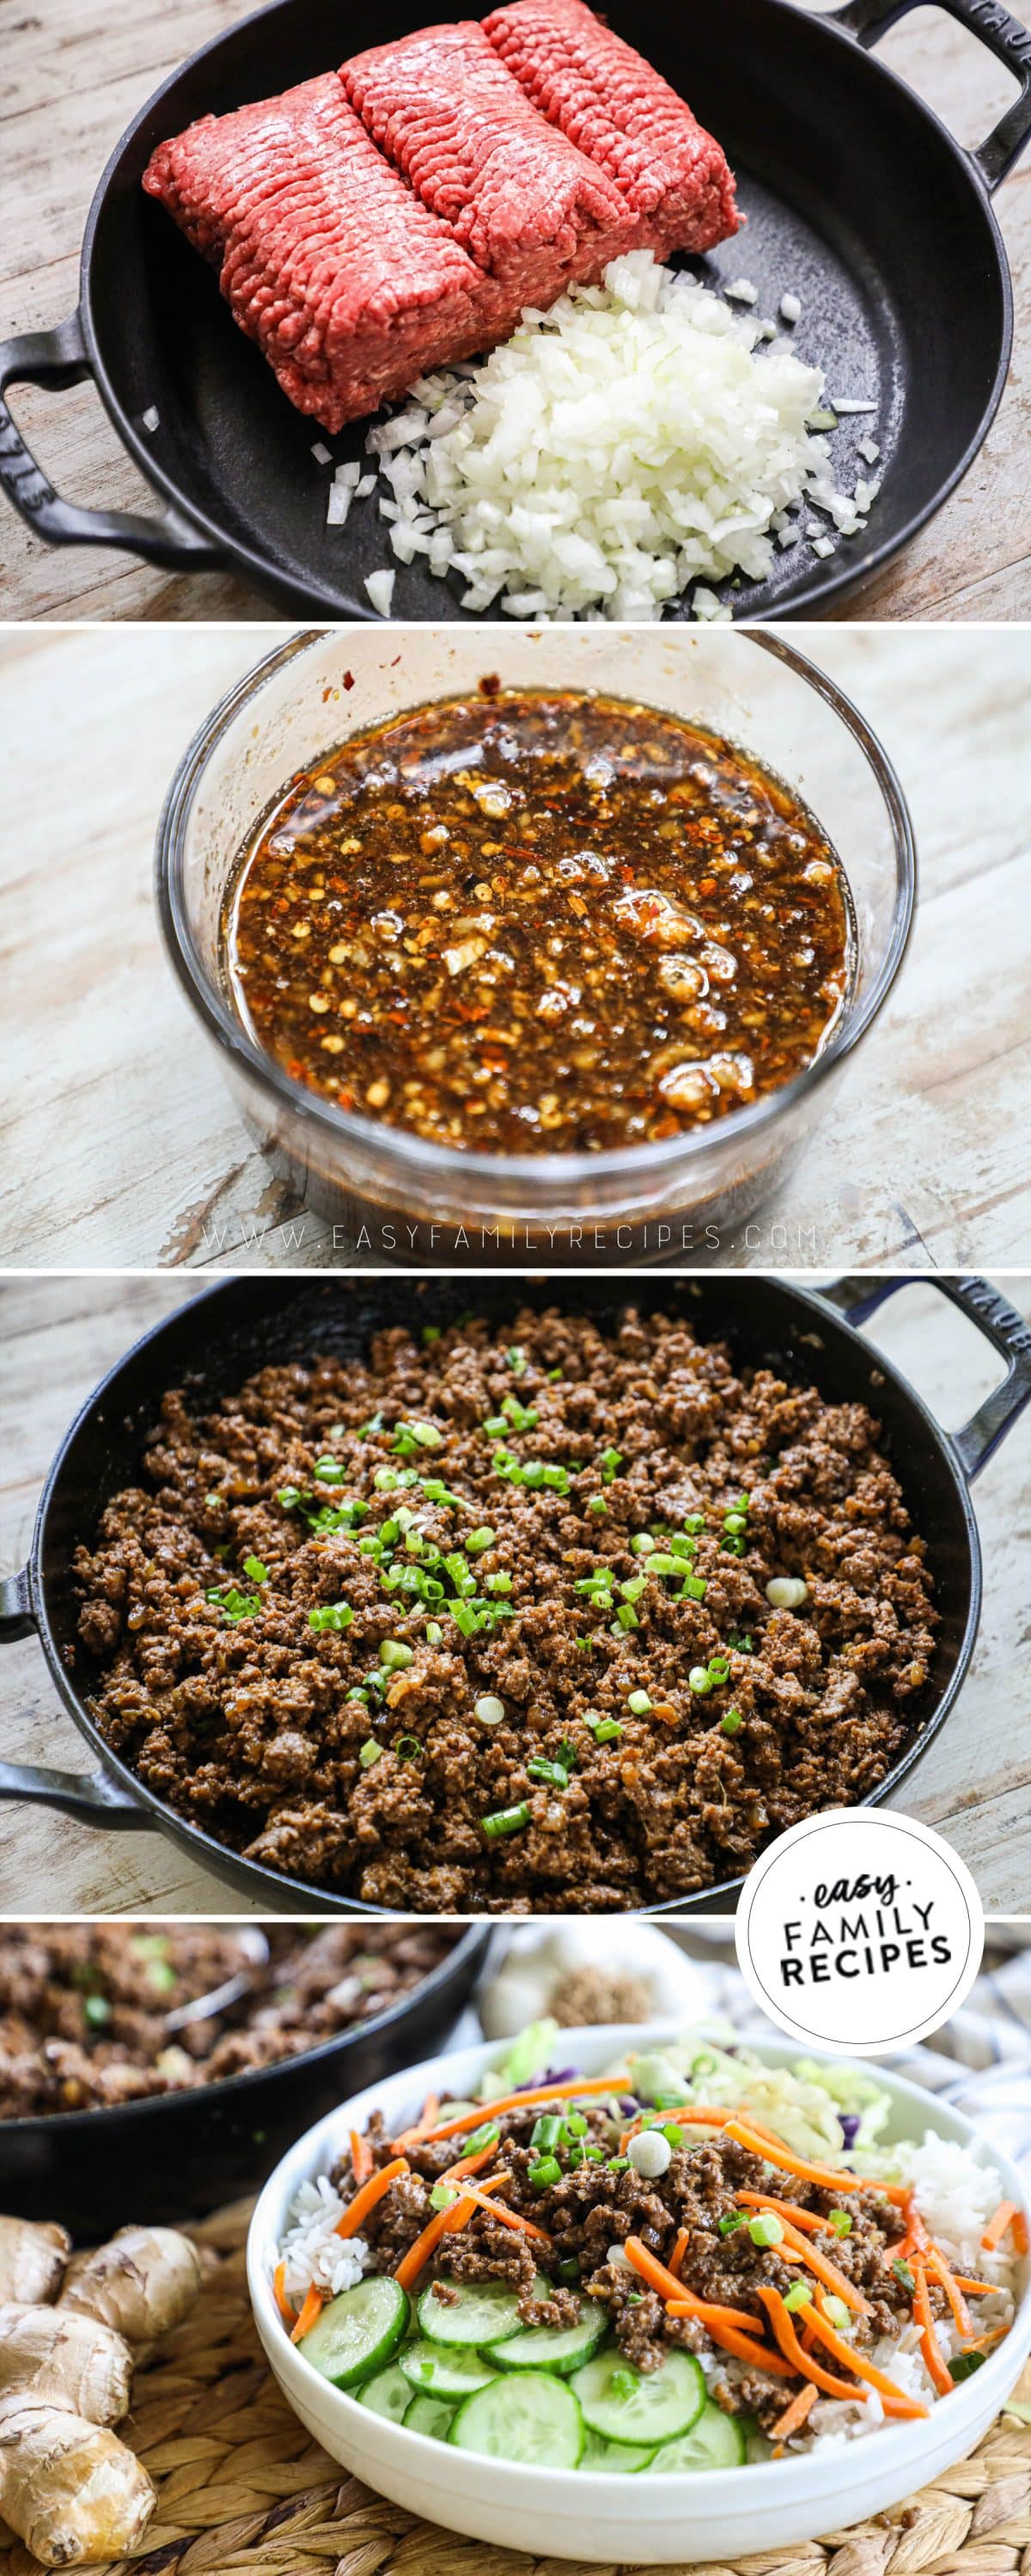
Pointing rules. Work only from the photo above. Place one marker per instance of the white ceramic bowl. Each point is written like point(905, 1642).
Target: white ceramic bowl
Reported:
point(559, 2513)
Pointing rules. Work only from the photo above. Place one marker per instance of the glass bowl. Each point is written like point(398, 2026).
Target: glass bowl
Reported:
point(390, 1195)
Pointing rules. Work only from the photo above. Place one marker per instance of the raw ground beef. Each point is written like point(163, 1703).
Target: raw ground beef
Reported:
point(83, 2005)
point(530, 209)
point(327, 258)
point(608, 101)
point(358, 268)
point(312, 1749)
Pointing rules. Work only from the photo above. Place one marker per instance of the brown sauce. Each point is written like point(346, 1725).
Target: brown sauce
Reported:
point(539, 923)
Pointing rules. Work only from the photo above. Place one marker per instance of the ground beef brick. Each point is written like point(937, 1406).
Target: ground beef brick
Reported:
point(295, 1744)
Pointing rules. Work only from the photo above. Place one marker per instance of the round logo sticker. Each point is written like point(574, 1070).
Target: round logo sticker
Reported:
point(859, 1931)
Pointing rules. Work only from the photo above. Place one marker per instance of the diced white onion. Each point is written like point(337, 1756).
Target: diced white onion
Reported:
point(380, 587)
point(322, 455)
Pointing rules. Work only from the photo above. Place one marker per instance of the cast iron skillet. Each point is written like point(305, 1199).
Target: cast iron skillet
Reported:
point(858, 200)
point(182, 2154)
point(217, 1340)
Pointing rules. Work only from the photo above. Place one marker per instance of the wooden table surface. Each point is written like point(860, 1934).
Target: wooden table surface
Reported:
point(73, 73)
point(57, 1337)
point(120, 1144)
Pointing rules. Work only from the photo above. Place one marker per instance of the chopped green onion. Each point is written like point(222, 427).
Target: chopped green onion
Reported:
point(506, 1820)
point(553, 1774)
point(799, 2296)
point(253, 1566)
point(434, 1633)
point(639, 1703)
point(544, 2173)
point(732, 1722)
point(641, 1544)
point(335, 1614)
point(963, 2363)
point(489, 1709)
point(487, 2136)
point(370, 1751)
point(607, 1731)
point(569, 2271)
point(547, 2131)
point(729, 2226)
point(902, 2273)
point(699, 1680)
point(444, 2195)
point(478, 1539)
point(394, 1656)
point(97, 2011)
point(839, 2222)
point(619, 2164)
point(836, 2310)
point(408, 1748)
point(608, 1462)
point(517, 1361)
point(766, 2229)
point(597, 1503)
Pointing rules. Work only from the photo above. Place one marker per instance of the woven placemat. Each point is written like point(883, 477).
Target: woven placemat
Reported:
point(244, 2491)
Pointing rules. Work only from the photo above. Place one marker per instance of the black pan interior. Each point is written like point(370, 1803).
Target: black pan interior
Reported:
point(180, 2155)
point(216, 1341)
point(857, 201)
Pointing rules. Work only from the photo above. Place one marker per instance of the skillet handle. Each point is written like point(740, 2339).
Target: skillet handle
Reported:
point(17, 1616)
point(1004, 37)
point(858, 1297)
point(57, 358)
point(94, 1801)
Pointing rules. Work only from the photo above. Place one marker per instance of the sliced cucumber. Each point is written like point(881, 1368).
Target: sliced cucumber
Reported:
point(715, 2441)
point(359, 2332)
point(614, 2459)
point(429, 2415)
point(627, 2405)
point(438, 2370)
point(534, 2419)
point(481, 2313)
point(560, 2348)
point(388, 2394)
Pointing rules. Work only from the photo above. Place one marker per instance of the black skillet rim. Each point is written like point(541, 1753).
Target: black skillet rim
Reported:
point(251, 1875)
point(69, 2125)
point(820, 590)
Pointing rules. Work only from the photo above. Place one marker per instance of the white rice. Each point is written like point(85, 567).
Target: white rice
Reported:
point(314, 2254)
point(635, 439)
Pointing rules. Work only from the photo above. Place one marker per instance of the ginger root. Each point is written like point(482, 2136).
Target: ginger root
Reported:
point(142, 2284)
point(48, 2353)
point(32, 2260)
point(70, 2489)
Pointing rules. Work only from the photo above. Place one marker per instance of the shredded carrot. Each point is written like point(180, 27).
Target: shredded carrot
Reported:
point(311, 2311)
point(929, 2344)
point(1004, 2218)
point(937, 2264)
point(669, 2288)
point(445, 2222)
point(773, 2152)
point(576, 2091)
point(803, 2362)
point(370, 2193)
point(744, 2347)
point(981, 2342)
point(693, 2115)
point(470, 2164)
point(794, 2415)
point(677, 2257)
point(507, 2217)
point(975, 2289)
point(825, 2271)
point(288, 2314)
point(805, 2218)
point(361, 2157)
point(895, 2403)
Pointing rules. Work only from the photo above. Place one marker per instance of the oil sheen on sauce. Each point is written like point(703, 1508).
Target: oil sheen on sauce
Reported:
point(552, 923)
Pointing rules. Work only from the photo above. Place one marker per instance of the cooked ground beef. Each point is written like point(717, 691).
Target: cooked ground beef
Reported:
point(83, 2006)
point(588, 2215)
point(397, 1629)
